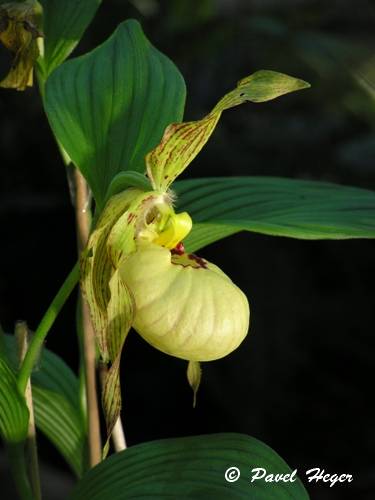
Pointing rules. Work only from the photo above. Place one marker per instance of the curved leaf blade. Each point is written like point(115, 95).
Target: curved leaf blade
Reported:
point(62, 425)
point(57, 410)
point(14, 415)
point(275, 206)
point(191, 467)
point(111, 106)
point(55, 391)
point(52, 373)
point(63, 26)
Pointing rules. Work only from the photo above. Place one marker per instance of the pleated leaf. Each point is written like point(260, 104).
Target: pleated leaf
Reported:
point(191, 467)
point(62, 424)
point(223, 206)
point(64, 22)
point(57, 411)
point(182, 142)
point(111, 106)
point(14, 415)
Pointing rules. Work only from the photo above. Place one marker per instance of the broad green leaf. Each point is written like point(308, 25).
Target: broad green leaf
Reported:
point(55, 391)
point(52, 373)
point(14, 415)
point(64, 22)
point(62, 424)
point(111, 106)
point(191, 467)
point(223, 206)
point(57, 409)
point(182, 142)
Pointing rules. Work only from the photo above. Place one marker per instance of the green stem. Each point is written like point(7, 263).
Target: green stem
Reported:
point(45, 325)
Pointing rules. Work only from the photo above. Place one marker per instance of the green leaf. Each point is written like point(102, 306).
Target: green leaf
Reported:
point(14, 415)
point(55, 391)
point(182, 142)
point(111, 106)
point(191, 467)
point(223, 206)
point(64, 23)
point(57, 409)
point(62, 425)
point(124, 180)
point(52, 373)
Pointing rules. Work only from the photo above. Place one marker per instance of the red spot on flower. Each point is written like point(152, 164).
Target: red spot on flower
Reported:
point(201, 262)
point(146, 200)
point(179, 249)
point(131, 217)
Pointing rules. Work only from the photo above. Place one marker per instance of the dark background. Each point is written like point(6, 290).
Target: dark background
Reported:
point(303, 379)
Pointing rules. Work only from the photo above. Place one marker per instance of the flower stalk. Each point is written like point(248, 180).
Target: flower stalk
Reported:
point(44, 327)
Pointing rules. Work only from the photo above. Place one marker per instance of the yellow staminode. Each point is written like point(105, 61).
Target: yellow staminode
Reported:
point(176, 229)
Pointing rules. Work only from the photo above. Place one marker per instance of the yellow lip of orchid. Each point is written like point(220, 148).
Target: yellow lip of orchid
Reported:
point(184, 305)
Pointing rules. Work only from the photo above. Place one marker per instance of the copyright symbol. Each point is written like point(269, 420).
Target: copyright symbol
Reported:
point(232, 474)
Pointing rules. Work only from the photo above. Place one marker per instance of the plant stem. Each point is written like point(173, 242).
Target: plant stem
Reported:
point(95, 447)
point(83, 223)
point(22, 336)
point(44, 327)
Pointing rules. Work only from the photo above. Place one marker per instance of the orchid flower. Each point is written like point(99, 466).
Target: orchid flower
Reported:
point(136, 273)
